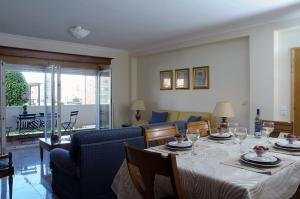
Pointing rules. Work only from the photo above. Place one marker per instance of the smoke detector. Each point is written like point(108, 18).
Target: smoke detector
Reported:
point(79, 32)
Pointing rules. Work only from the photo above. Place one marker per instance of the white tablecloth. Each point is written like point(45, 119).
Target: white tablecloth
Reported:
point(204, 175)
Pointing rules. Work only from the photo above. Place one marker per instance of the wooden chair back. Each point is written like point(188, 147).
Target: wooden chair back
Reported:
point(159, 134)
point(279, 127)
point(202, 126)
point(8, 171)
point(144, 165)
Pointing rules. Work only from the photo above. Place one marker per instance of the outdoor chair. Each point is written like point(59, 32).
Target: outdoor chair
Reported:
point(68, 126)
point(7, 170)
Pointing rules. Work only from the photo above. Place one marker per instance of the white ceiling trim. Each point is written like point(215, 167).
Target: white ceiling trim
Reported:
point(217, 35)
point(34, 43)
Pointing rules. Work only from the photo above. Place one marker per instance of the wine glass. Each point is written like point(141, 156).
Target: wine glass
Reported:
point(267, 129)
point(240, 134)
point(231, 126)
point(193, 135)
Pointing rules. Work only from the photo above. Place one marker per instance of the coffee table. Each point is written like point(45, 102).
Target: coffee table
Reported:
point(45, 144)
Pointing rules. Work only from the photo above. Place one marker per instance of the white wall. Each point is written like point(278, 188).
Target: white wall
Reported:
point(287, 39)
point(268, 78)
point(120, 66)
point(229, 78)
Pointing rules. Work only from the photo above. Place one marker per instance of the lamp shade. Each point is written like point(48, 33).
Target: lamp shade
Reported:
point(224, 109)
point(138, 105)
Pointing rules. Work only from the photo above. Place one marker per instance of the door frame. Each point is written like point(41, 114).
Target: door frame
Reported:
point(2, 108)
point(293, 76)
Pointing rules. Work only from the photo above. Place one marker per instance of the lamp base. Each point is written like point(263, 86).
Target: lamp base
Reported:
point(224, 123)
point(138, 115)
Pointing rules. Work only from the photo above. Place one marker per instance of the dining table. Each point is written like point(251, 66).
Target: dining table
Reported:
point(217, 172)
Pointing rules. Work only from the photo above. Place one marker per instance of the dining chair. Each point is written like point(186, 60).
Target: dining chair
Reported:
point(202, 126)
point(7, 170)
point(148, 164)
point(69, 125)
point(159, 134)
point(280, 127)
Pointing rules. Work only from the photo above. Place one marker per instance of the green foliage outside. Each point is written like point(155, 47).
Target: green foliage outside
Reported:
point(17, 89)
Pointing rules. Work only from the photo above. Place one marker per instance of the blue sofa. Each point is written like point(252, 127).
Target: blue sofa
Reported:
point(88, 169)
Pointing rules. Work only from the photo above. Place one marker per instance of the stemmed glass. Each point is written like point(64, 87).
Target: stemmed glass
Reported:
point(268, 128)
point(193, 136)
point(240, 134)
point(231, 126)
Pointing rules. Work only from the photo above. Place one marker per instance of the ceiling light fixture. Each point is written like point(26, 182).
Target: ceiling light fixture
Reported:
point(79, 32)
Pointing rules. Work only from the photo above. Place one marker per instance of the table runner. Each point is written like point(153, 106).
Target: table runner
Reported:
point(204, 176)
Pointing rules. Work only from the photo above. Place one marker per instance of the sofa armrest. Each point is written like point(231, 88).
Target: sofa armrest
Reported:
point(60, 159)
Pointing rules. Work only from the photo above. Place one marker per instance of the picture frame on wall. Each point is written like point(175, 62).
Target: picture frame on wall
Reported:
point(166, 80)
point(182, 78)
point(201, 77)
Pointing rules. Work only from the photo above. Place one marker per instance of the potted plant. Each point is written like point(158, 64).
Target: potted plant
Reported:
point(25, 98)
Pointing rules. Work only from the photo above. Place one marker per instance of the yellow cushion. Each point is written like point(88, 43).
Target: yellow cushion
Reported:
point(177, 115)
point(172, 116)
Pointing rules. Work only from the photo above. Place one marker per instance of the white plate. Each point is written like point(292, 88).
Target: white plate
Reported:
point(285, 148)
point(260, 165)
point(221, 135)
point(266, 158)
point(286, 144)
point(177, 149)
point(219, 138)
point(183, 144)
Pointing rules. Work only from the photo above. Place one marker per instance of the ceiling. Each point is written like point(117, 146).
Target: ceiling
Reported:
point(131, 24)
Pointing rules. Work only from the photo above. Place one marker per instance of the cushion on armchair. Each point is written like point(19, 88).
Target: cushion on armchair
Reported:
point(158, 117)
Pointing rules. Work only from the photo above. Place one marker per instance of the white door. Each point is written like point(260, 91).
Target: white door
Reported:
point(52, 114)
point(2, 108)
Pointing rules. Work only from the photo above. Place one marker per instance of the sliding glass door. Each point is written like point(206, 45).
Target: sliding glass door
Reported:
point(52, 114)
point(2, 108)
point(105, 118)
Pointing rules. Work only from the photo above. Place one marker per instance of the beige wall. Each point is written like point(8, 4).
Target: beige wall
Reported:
point(287, 39)
point(120, 66)
point(269, 65)
point(229, 78)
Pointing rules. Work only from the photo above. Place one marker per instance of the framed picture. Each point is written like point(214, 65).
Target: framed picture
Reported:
point(182, 78)
point(201, 77)
point(166, 80)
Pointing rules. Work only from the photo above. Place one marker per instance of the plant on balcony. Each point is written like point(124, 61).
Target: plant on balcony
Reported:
point(16, 87)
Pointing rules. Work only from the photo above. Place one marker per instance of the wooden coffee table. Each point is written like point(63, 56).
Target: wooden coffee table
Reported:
point(45, 144)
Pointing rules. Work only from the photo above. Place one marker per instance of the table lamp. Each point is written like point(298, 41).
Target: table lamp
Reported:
point(224, 110)
point(138, 106)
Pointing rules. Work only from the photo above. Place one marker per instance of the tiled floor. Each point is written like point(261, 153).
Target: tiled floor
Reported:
point(32, 180)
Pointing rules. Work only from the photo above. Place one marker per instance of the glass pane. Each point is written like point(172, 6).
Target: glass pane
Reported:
point(105, 99)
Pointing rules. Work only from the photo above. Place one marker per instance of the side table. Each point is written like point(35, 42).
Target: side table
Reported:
point(45, 144)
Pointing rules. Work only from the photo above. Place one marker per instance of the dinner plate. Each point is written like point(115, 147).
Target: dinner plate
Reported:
point(177, 148)
point(285, 148)
point(221, 135)
point(286, 144)
point(258, 164)
point(219, 138)
point(264, 159)
point(184, 144)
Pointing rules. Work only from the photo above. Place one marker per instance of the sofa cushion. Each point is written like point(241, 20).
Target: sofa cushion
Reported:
point(158, 117)
point(89, 137)
point(194, 118)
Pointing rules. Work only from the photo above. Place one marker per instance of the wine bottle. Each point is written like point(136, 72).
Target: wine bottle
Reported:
point(257, 132)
